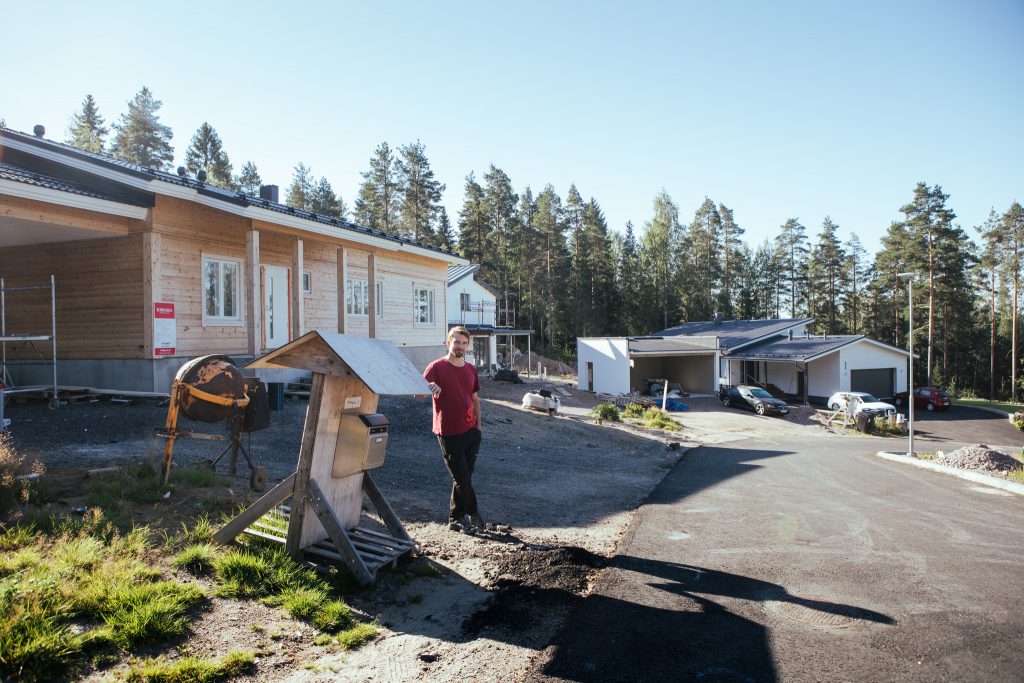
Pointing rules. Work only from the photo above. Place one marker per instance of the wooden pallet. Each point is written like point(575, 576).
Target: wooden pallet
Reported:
point(374, 548)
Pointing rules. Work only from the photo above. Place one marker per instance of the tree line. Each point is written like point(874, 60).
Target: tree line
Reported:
point(564, 274)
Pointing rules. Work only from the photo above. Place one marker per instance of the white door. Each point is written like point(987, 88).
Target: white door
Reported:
point(275, 306)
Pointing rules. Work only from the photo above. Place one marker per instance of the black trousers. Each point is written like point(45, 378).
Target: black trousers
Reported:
point(459, 452)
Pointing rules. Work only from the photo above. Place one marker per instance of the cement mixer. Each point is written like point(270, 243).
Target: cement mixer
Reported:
point(211, 389)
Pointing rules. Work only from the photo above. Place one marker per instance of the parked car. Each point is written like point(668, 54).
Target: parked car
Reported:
point(929, 398)
point(863, 400)
point(753, 398)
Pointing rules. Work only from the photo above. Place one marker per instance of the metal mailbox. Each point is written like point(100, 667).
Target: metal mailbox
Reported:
point(362, 443)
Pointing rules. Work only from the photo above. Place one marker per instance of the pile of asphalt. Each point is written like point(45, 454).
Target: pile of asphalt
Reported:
point(981, 458)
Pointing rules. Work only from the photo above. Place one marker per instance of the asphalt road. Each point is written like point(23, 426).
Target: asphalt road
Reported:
point(963, 424)
point(807, 559)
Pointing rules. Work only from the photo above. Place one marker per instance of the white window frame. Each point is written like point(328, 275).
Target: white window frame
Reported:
point(307, 283)
point(355, 312)
point(222, 320)
point(464, 301)
point(431, 306)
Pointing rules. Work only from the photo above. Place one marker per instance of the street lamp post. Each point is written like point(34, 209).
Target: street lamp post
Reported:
point(910, 350)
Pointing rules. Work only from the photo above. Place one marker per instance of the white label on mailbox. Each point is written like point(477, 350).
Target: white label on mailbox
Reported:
point(353, 402)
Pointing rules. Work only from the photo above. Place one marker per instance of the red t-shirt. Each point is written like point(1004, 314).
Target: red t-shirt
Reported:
point(453, 409)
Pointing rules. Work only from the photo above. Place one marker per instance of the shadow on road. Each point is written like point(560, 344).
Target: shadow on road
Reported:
point(689, 637)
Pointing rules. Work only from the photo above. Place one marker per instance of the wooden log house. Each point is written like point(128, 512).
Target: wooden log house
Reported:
point(153, 268)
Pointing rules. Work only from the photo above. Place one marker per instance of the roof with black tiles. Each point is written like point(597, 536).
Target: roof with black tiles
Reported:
point(235, 197)
point(733, 333)
point(20, 175)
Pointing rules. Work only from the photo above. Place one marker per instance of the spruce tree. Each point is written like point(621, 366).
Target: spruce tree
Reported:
point(249, 180)
point(206, 153)
point(301, 190)
point(701, 279)
point(323, 201)
point(87, 130)
point(731, 266)
point(630, 283)
point(444, 237)
point(140, 138)
point(828, 259)
point(419, 200)
point(500, 204)
point(474, 226)
point(792, 245)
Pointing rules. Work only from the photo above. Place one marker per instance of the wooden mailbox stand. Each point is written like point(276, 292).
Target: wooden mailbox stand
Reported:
point(323, 515)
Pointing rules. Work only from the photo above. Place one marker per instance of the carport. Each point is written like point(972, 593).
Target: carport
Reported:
point(813, 367)
point(690, 362)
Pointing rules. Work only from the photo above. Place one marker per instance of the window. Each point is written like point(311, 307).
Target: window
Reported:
point(423, 306)
point(463, 301)
point(222, 299)
point(307, 284)
point(357, 300)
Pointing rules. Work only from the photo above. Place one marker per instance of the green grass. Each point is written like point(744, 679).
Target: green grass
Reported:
point(272, 576)
point(983, 403)
point(192, 669)
point(357, 636)
point(633, 410)
point(84, 589)
point(656, 419)
point(116, 492)
point(198, 558)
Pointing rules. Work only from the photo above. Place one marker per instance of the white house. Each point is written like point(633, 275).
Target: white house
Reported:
point(702, 356)
point(473, 304)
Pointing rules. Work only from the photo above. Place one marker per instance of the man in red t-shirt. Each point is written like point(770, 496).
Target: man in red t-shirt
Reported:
point(454, 386)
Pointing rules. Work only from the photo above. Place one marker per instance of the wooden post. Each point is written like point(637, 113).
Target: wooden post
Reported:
point(265, 504)
point(253, 298)
point(150, 285)
point(298, 299)
point(341, 541)
point(342, 267)
point(371, 285)
point(298, 509)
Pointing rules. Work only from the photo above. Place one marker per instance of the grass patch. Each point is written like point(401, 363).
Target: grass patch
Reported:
point(116, 492)
point(656, 419)
point(998, 405)
point(17, 536)
point(192, 669)
point(85, 588)
point(882, 427)
point(605, 411)
point(357, 636)
point(634, 410)
point(198, 558)
point(270, 575)
point(422, 569)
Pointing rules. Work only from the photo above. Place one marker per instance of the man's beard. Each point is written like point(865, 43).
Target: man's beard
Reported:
point(458, 353)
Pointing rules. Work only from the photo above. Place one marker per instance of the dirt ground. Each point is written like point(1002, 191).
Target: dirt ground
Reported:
point(565, 487)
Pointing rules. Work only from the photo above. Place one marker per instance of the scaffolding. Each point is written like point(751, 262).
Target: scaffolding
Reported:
point(28, 349)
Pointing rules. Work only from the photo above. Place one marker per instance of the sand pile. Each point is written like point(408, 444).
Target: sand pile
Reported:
point(554, 367)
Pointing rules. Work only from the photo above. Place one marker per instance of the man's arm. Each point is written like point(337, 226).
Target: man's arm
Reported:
point(476, 410)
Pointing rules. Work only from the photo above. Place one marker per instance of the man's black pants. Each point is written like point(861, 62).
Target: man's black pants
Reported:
point(459, 453)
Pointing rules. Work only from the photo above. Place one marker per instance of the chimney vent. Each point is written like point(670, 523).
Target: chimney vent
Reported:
point(269, 192)
point(791, 334)
point(39, 130)
point(718, 318)
point(201, 175)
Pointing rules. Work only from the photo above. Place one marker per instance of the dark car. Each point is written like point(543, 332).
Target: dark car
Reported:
point(929, 398)
point(753, 398)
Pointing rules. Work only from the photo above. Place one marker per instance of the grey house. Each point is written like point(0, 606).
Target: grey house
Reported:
point(702, 356)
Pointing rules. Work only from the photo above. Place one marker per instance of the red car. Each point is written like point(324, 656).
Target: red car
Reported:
point(929, 398)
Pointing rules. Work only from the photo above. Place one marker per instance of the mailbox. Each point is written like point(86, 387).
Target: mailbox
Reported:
point(362, 442)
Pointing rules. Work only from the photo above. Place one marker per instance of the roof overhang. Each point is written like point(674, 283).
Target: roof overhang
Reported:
point(72, 200)
point(162, 187)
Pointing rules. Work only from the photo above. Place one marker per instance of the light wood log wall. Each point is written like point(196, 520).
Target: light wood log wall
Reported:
point(100, 307)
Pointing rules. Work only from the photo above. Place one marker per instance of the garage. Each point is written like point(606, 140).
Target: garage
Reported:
point(876, 381)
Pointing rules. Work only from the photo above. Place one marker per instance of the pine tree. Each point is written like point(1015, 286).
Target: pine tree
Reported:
point(792, 244)
point(1012, 259)
point(828, 259)
point(856, 267)
point(140, 138)
point(549, 225)
point(377, 204)
point(249, 180)
point(323, 201)
point(701, 278)
point(600, 300)
point(206, 153)
point(992, 237)
point(87, 130)
point(731, 243)
point(474, 226)
point(929, 222)
point(420, 193)
point(300, 192)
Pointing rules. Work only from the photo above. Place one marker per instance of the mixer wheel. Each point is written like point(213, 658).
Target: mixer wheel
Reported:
point(258, 479)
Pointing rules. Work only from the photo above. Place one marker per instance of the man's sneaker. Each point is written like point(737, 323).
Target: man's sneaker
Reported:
point(477, 521)
point(454, 525)
point(462, 525)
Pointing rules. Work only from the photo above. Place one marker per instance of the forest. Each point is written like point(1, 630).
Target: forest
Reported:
point(565, 273)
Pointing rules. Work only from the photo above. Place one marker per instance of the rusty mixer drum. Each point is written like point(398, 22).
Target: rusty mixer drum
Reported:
point(214, 374)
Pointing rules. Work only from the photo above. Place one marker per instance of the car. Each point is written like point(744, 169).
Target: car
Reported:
point(863, 401)
point(753, 398)
point(929, 398)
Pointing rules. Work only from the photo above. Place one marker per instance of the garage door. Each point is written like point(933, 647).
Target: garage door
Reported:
point(877, 381)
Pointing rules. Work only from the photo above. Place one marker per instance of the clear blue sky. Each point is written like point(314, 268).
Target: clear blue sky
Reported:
point(777, 109)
